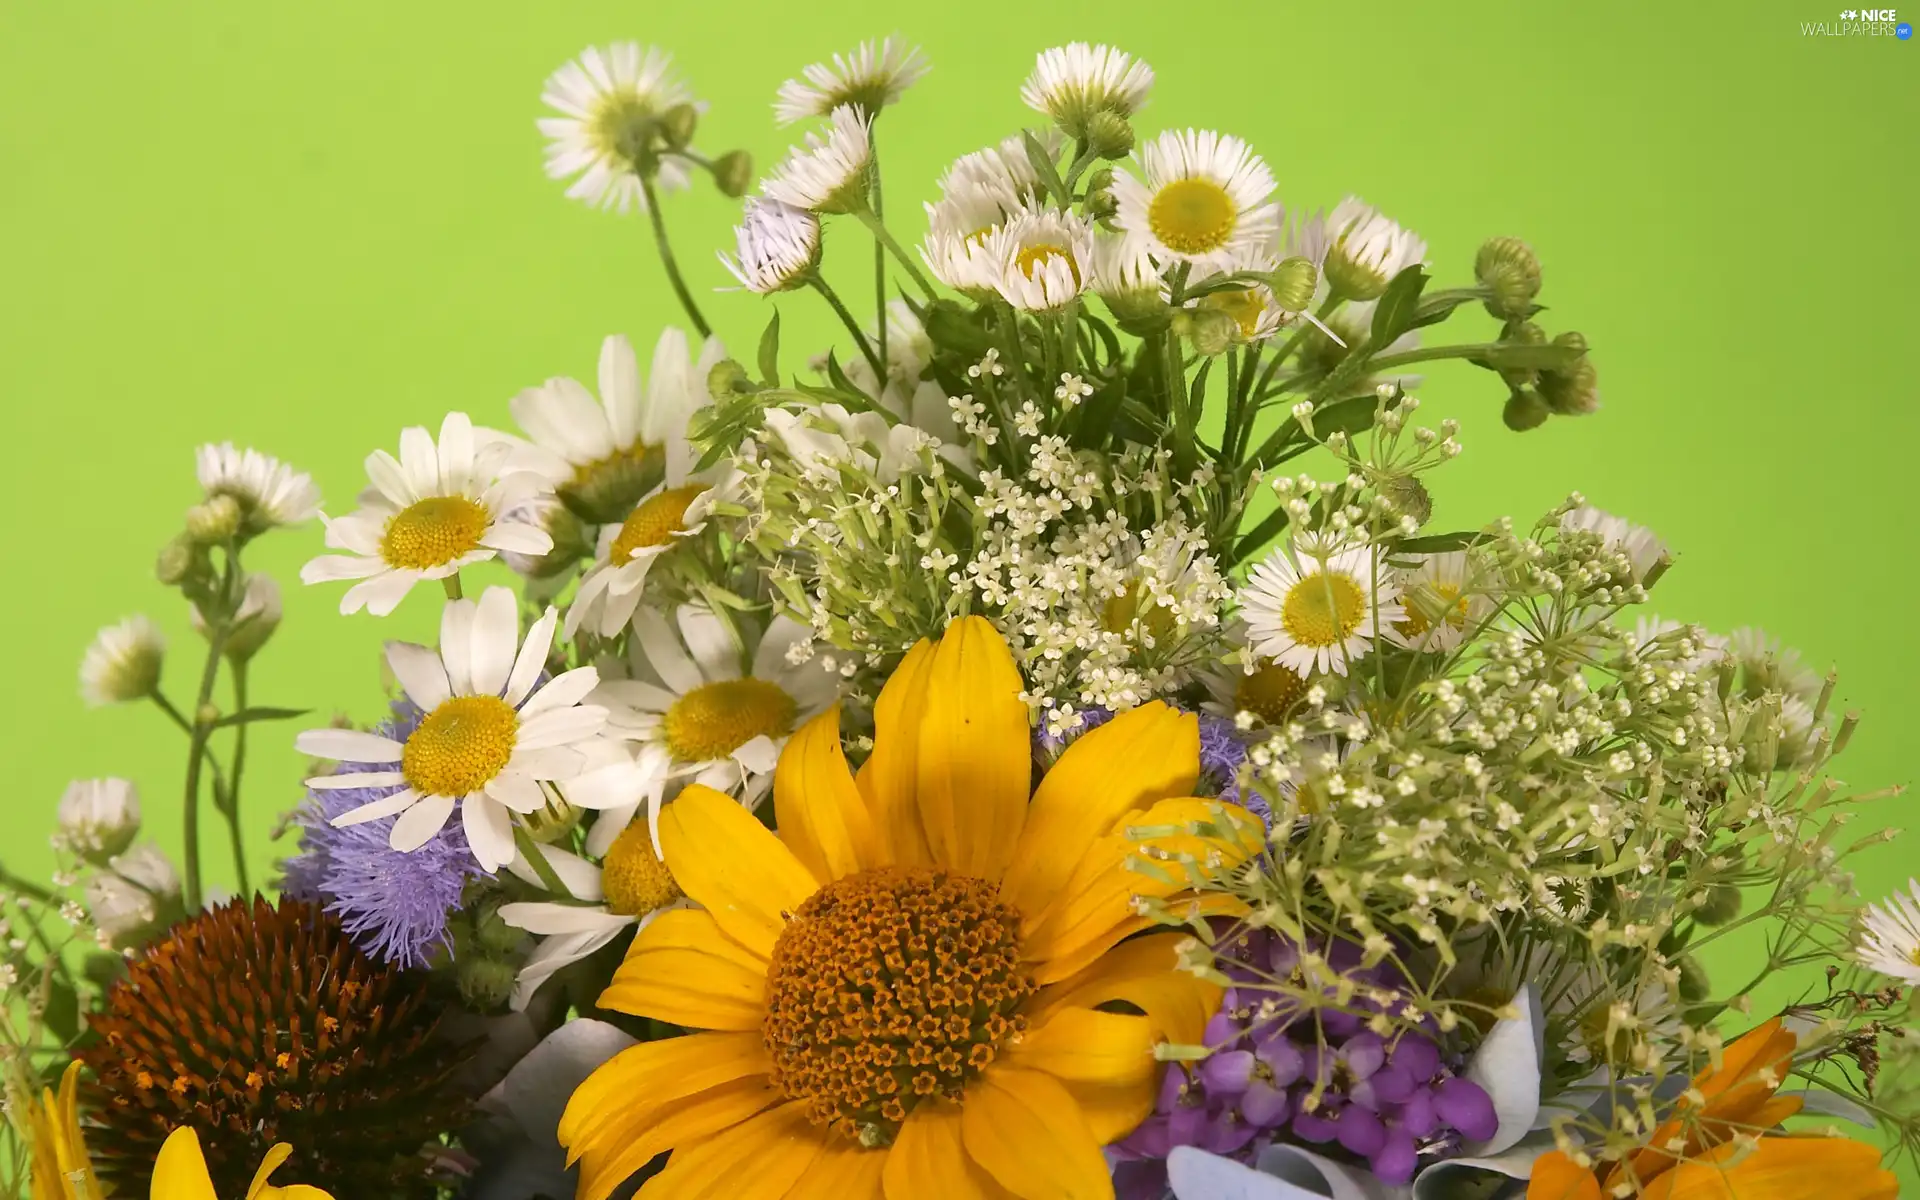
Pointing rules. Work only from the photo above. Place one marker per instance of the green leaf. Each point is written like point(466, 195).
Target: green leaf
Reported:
point(722, 427)
point(1543, 357)
point(1398, 306)
point(248, 716)
point(1435, 309)
point(770, 352)
point(955, 328)
point(850, 396)
point(1352, 415)
point(1045, 167)
point(1439, 543)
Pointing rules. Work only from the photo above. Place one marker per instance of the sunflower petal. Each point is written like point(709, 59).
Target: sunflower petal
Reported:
point(819, 812)
point(1143, 755)
point(777, 1147)
point(929, 1162)
point(845, 1170)
point(1143, 972)
point(689, 1123)
point(1557, 1177)
point(1779, 1168)
point(180, 1171)
point(1024, 1128)
point(684, 970)
point(626, 1093)
point(733, 866)
point(1090, 1047)
point(888, 779)
point(975, 772)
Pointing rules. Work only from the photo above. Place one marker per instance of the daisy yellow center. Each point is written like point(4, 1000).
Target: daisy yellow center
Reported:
point(1323, 609)
point(890, 987)
point(1032, 258)
point(1269, 693)
point(1441, 598)
point(654, 522)
point(1480, 1005)
point(460, 746)
point(433, 532)
point(1192, 216)
point(635, 880)
point(617, 122)
point(1120, 611)
point(1244, 306)
point(715, 719)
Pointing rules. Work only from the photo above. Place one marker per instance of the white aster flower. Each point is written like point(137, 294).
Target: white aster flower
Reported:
point(268, 491)
point(1644, 550)
point(99, 817)
point(1042, 259)
point(869, 78)
point(721, 712)
point(1124, 270)
point(1265, 689)
point(1073, 82)
point(918, 403)
point(1364, 250)
point(1439, 606)
point(608, 98)
point(1318, 612)
point(1002, 169)
point(1256, 314)
point(123, 663)
point(827, 175)
point(1204, 196)
point(1890, 943)
point(779, 246)
point(436, 509)
point(491, 739)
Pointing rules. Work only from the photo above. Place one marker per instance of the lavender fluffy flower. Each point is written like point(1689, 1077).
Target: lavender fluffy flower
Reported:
point(1283, 1070)
point(393, 905)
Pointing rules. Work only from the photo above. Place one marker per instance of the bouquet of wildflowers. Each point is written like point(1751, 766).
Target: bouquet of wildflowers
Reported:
point(1037, 748)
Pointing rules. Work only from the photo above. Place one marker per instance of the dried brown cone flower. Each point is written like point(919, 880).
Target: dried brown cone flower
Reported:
point(258, 1024)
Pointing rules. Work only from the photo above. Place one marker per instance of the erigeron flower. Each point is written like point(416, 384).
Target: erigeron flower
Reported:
point(1266, 690)
point(123, 662)
point(1042, 259)
point(1646, 554)
point(1125, 274)
point(867, 79)
point(438, 508)
point(669, 515)
point(1439, 605)
point(609, 100)
point(1365, 250)
point(99, 817)
point(628, 889)
point(604, 457)
point(1318, 612)
point(720, 710)
point(491, 740)
point(960, 228)
point(1204, 196)
point(1890, 942)
point(131, 897)
point(827, 175)
point(1073, 82)
point(269, 492)
point(1256, 314)
point(779, 246)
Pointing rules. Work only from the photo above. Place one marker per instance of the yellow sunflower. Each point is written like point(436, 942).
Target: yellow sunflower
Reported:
point(926, 986)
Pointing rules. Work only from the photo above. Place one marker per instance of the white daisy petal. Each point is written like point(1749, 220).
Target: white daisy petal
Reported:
point(332, 568)
point(496, 637)
point(553, 763)
point(710, 640)
point(609, 826)
point(518, 791)
point(385, 807)
point(489, 831)
point(420, 461)
point(456, 644)
point(582, 878)
point(664, 653)
point(356, 779)
point(549, 919)
point(419, 823)
point(550, 956)
point(561, 727)
point(562, 691)
point(620, 389)
point(456, 452)
point(348, 745)
point(421, 674)
point(615, 786)
point(533, 658)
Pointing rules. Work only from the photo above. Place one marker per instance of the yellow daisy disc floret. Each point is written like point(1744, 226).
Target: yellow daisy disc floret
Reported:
point(934, 980)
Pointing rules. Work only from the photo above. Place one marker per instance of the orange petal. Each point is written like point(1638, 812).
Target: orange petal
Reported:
point(1782, 1168)
point(758, 1159)
point(1090, 1047)
point(1557, 1177)
point(927, 1161)
point(733, 866)
point(1025, 1129)
point(975, 771)
point(845, 1170)
point(819, 812)
point(1145, 754)
point(625, 1093)
point(683, 970)
point(1143, 972)
point(691, 1122)
point(889, 777)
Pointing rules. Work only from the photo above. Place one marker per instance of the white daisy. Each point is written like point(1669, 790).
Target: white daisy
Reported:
point(436, 509)
point(1890, 943)
point(1318, 613)
point(1071, 83)
point(99, 817)
point(908, 398)
point(1002, 168)
point(1438, 604)
point(1124, 270)
point(269, 491)
point(1364, 250)
point(720, 725)
point(608, 98)
point(628, 890)
point(491, 739)
point(827, 175)
point(869, 78)
point(1646, 554)
point(673, 512)
point(1249, 684)
point(1042, 259)
point(603, 457)
point(779, 246)
point(1205, 195)
point(123, 663)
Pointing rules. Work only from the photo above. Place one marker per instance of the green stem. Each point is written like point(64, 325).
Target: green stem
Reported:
point(873, 223)
point(452, 585)
point(666, 257)
point(1081, 161)
point(820, 285)
point(232, 807)
point(549, 879)
point(219, 625)
point(879, 264)
point(14, 883)
point(1430, 353)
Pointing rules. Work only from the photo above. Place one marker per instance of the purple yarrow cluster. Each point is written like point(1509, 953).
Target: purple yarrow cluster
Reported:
point(1282, 1069)
point(393, 905)
point(1222, 750)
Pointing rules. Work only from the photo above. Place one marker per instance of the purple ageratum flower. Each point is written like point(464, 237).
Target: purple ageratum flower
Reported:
point(393, 905)
point(1284, 1070)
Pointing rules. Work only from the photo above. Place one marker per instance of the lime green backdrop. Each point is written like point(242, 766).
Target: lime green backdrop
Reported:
point(303, 226)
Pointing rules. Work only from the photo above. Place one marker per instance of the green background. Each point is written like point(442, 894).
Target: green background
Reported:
point(303, 226)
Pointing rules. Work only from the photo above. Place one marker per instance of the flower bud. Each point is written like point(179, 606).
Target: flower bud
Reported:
point(99, 818)
point(1722, 904)
point(1099, 205)
point(1694, 984)
point(1292, 284)
point(214, 520)
point(677, 125)
point(495, 936)
point(1408, 495)
point(485, 983)
point(1507, 267)
point(727, 380)
point(176, 561)
point(123, 663)
point(1109, 135)
point(254, 622)
point(733, 173)
point(1574, 392)
point(1209, 330)
point(1525, 410)
point(1522, 333)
